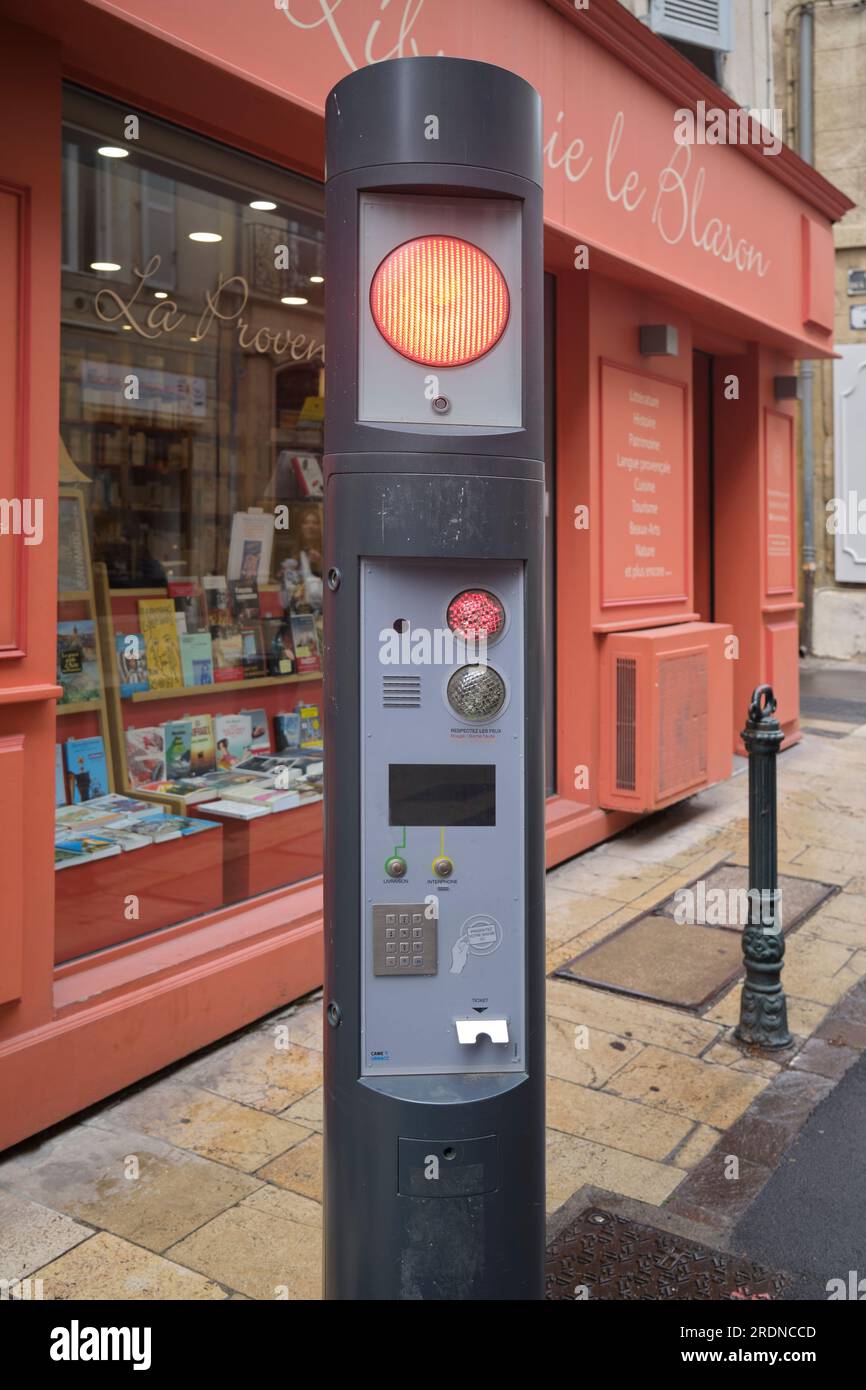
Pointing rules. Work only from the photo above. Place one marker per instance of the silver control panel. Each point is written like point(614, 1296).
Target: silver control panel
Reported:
point(443, 856)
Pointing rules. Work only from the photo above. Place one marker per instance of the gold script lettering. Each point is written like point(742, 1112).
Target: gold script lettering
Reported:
point(124, 308)
point(212, 309)
point(165, 317)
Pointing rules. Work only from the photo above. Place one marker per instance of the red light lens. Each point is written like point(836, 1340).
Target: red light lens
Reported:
point(439, 301)
point(475, 614)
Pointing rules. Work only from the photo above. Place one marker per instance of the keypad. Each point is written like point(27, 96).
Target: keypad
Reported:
point(404, 940)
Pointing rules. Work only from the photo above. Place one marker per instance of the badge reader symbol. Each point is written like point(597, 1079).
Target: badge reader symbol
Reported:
point(479, 936)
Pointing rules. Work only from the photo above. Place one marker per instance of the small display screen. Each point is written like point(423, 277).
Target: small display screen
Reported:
point(442, 794)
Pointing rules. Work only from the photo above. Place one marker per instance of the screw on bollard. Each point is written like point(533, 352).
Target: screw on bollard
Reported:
point(763, 1010)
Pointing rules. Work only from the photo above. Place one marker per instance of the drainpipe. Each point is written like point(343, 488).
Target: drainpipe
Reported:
point(805, 141)
point(768, 43)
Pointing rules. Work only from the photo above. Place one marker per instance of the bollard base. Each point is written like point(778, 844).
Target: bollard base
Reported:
point(763, 1018)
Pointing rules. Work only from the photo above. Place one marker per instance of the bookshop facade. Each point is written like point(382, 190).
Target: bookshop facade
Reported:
point(162, 370)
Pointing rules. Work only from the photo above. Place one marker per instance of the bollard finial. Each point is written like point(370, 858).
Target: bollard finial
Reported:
point(762, 704)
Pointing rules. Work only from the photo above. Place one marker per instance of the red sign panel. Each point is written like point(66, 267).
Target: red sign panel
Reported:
point(779, 504)
point(643, 488)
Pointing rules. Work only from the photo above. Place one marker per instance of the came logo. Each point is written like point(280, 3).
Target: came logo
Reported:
point(77, 1343)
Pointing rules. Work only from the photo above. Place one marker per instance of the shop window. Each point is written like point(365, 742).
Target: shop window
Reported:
point(189, 643)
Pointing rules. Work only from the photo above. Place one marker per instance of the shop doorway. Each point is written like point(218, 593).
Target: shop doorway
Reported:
point(702, 454)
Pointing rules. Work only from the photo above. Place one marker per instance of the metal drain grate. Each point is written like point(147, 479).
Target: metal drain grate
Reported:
point(604, 1257)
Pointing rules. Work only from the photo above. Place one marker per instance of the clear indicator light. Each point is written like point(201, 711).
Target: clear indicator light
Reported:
point(476, 693)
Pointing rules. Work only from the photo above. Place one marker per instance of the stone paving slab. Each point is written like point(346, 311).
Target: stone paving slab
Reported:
point(687, 1086)
point(263, 1069)
point(255, 1252)
point(124, 1181)
point(33, 1235)
point(193, 1118)
point(572, 1161)
point(300, 1169)
point(106, 1267)
point(630, 1018)
point(606, 1119)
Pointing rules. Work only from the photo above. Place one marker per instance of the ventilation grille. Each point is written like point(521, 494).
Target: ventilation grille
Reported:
point(683, 700)
point(401, 692)
point(626, 684)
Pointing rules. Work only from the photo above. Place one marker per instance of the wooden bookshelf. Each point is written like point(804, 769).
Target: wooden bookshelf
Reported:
point(186, 691)
point(138, 593)
point(80, 707)
point(95, 575)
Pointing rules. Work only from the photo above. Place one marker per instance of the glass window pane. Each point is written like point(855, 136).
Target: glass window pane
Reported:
point(190, 589)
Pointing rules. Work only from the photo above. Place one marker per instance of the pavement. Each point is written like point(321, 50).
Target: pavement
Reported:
point(820, 1180)
point(832, 690)
point(205, 1181)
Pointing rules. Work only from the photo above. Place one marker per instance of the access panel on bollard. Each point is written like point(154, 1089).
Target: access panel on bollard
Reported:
point(434, 851)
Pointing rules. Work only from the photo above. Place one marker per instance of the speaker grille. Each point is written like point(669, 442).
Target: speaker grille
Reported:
point(683, 709)
point(401, 692)
point(626, 684)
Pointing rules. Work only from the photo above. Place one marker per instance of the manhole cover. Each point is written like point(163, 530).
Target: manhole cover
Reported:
point(601, 1256)
point(656, 955)
point(656, 958)
point(719, 899)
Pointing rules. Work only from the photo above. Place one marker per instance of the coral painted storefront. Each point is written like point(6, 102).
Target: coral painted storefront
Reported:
point(162, 374)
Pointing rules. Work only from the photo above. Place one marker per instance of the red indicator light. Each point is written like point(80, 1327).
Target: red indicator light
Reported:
point(475, 614)
point(440, 301)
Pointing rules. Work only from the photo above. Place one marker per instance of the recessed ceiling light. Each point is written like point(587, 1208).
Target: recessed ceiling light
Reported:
point(262, 205)
point(205, 236)
point(127, 327)
point(317, 279)
point(160, 294)
point(293, 299)
point(104, 265)
point(194, 338)
point(113, 152)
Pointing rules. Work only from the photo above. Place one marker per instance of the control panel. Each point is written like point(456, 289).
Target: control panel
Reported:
point(442, 795)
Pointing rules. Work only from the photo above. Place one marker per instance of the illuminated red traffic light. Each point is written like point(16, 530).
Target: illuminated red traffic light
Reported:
point(476, 614)
point(440, 301)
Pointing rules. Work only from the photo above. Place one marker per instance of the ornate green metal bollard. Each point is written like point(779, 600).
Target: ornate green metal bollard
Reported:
point(763, 1010)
